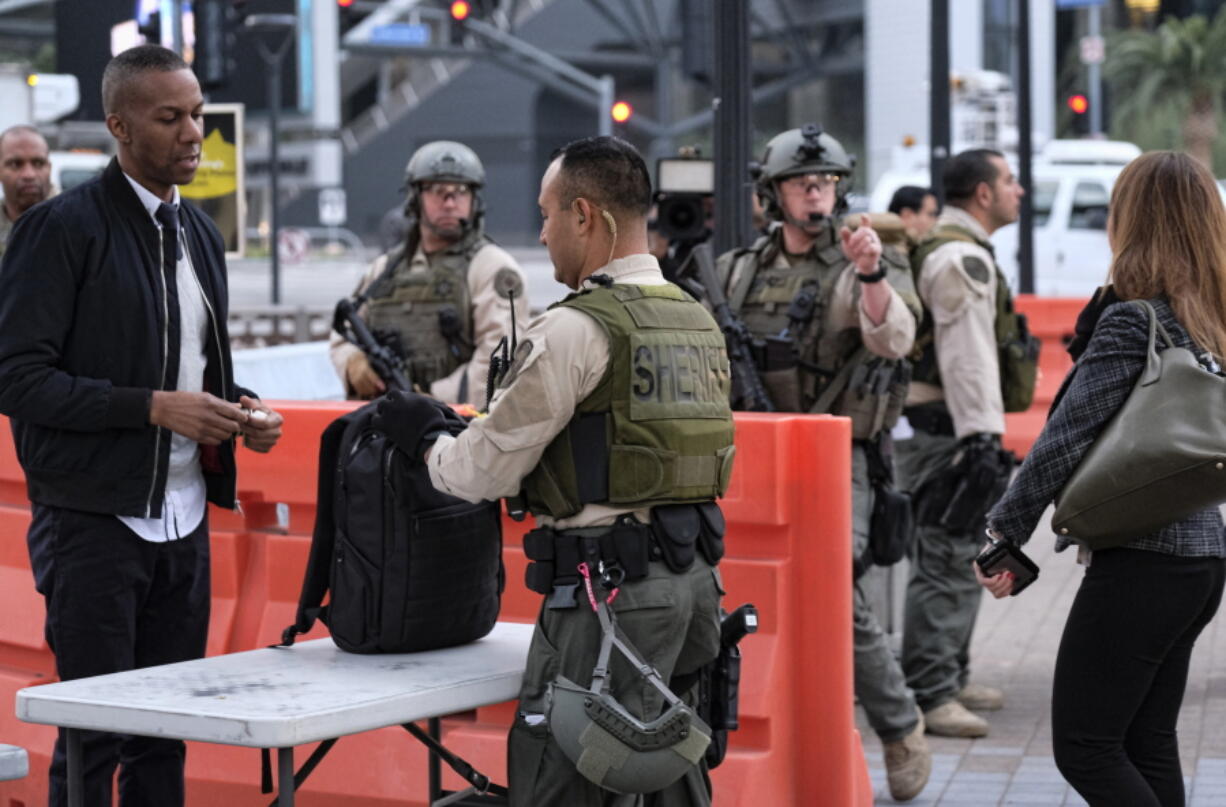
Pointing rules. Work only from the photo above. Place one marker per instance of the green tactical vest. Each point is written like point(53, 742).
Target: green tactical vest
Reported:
point(657, 429)
point(819, 372)
point(415, 305)
point(1018, 351)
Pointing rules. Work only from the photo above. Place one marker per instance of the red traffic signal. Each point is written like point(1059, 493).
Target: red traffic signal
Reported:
point(344, 3)
point(1078, 103)
point(621, 112)
point(460, 9)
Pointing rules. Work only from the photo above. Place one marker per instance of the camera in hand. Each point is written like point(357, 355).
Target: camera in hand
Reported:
point(686, 187)
point(1005, 556)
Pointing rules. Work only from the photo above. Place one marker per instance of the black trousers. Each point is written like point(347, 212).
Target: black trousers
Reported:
point(1121, 672)
point(116, 602)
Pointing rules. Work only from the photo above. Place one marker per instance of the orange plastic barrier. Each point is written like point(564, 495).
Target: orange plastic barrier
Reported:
point(788, 552)
point(1051, 320)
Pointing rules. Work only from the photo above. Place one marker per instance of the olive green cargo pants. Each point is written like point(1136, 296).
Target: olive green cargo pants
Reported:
point(881, 686)
point(942, 595)
point(673, 622)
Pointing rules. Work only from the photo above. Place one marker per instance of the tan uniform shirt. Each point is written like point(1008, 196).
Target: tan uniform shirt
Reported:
point(892, 338)
point(491, 316)
point(958, 285)
point(568, 356)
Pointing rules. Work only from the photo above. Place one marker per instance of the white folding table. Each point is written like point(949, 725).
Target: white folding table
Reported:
point(14, 763)
point(281, 697)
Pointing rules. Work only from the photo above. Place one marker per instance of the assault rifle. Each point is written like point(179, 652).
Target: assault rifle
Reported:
point(387, 361)
point(747, 387)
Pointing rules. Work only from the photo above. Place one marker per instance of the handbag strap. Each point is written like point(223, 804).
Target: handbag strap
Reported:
point(1153, 364)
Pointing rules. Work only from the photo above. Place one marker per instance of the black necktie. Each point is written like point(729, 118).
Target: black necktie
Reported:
point(168, 215)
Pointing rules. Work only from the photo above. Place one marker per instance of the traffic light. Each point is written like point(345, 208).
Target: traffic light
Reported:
point(460, 12)
point(1079, 105)
point(621, 112)
point(214, 42)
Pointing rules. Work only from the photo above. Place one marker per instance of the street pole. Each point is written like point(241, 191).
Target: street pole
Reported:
point(604, 109)
point(285, 25)
point(274, 169)
point(1025, 152)
point(732, 111)
point(176, 26)
point(938, 95)
point(1095, 30)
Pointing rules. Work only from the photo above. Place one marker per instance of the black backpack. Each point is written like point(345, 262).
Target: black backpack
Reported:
point(408, 568)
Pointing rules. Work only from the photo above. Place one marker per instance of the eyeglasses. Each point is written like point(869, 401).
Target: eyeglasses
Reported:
point(803, 183)
point(443, 190)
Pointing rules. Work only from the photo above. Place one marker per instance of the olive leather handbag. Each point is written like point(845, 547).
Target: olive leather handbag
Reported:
point(1160, 459)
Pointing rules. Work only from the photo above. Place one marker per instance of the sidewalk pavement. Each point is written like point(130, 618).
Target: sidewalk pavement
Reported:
point(1014, 648)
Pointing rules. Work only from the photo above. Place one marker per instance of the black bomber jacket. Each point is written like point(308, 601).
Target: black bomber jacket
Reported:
point(89, 328)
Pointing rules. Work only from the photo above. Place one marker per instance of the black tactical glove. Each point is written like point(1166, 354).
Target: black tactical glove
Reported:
point(413, 421)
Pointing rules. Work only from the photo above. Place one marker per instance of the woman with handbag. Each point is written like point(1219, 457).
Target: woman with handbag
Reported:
point(1157, 337)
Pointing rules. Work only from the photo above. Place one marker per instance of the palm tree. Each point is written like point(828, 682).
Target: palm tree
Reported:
point(1178, 69)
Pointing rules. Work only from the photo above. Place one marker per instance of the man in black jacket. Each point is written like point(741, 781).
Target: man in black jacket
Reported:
point(115, 370)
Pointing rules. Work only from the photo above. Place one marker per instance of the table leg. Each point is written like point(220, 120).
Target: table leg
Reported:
point(285, 777)
point(76, 776)
point(435, 728)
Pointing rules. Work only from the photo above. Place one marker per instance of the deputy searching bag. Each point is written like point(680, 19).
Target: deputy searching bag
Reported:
point(407, 568)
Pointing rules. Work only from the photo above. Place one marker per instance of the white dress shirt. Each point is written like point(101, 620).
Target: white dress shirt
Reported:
point(186, 496)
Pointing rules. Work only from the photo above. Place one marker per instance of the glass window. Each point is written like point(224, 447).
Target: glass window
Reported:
point(1089, 212)
point(1041, 201)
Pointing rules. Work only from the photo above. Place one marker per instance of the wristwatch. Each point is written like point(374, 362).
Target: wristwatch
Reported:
point(875, 277)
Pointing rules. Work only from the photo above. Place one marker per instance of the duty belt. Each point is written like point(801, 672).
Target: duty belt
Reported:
point(622, 551)
point(556, 555)
point(930, 418)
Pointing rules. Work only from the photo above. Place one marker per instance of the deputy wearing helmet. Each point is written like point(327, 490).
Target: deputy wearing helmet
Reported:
point(833, 318)
point(612, 427)
point(445, 294)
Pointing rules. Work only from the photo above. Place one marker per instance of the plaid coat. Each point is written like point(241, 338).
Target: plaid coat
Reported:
point(1092, 393)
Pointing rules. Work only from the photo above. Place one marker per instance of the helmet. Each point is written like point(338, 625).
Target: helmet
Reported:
point(445, 161)
point(807, 150)
point(617, 751)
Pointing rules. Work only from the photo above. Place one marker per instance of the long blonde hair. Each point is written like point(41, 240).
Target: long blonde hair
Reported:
point(1168, 236)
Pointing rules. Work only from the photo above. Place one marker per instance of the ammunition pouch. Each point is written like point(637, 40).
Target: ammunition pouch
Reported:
point(556, 555)
point(776, 360)
point(676, 534)
point(873, 397)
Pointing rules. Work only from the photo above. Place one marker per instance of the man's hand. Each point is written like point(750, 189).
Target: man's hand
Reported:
point(863, 247)
point(407, 418)
point(197, 416)
point(263, 427)
point(362, 378)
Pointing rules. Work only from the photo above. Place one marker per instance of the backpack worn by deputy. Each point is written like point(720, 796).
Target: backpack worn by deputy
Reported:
point(431, 311)
point(785, 303)
point(408, 568)
point(1017, 348)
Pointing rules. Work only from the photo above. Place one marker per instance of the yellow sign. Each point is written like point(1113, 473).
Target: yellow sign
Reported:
point(219, 188)
point(218, 171)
